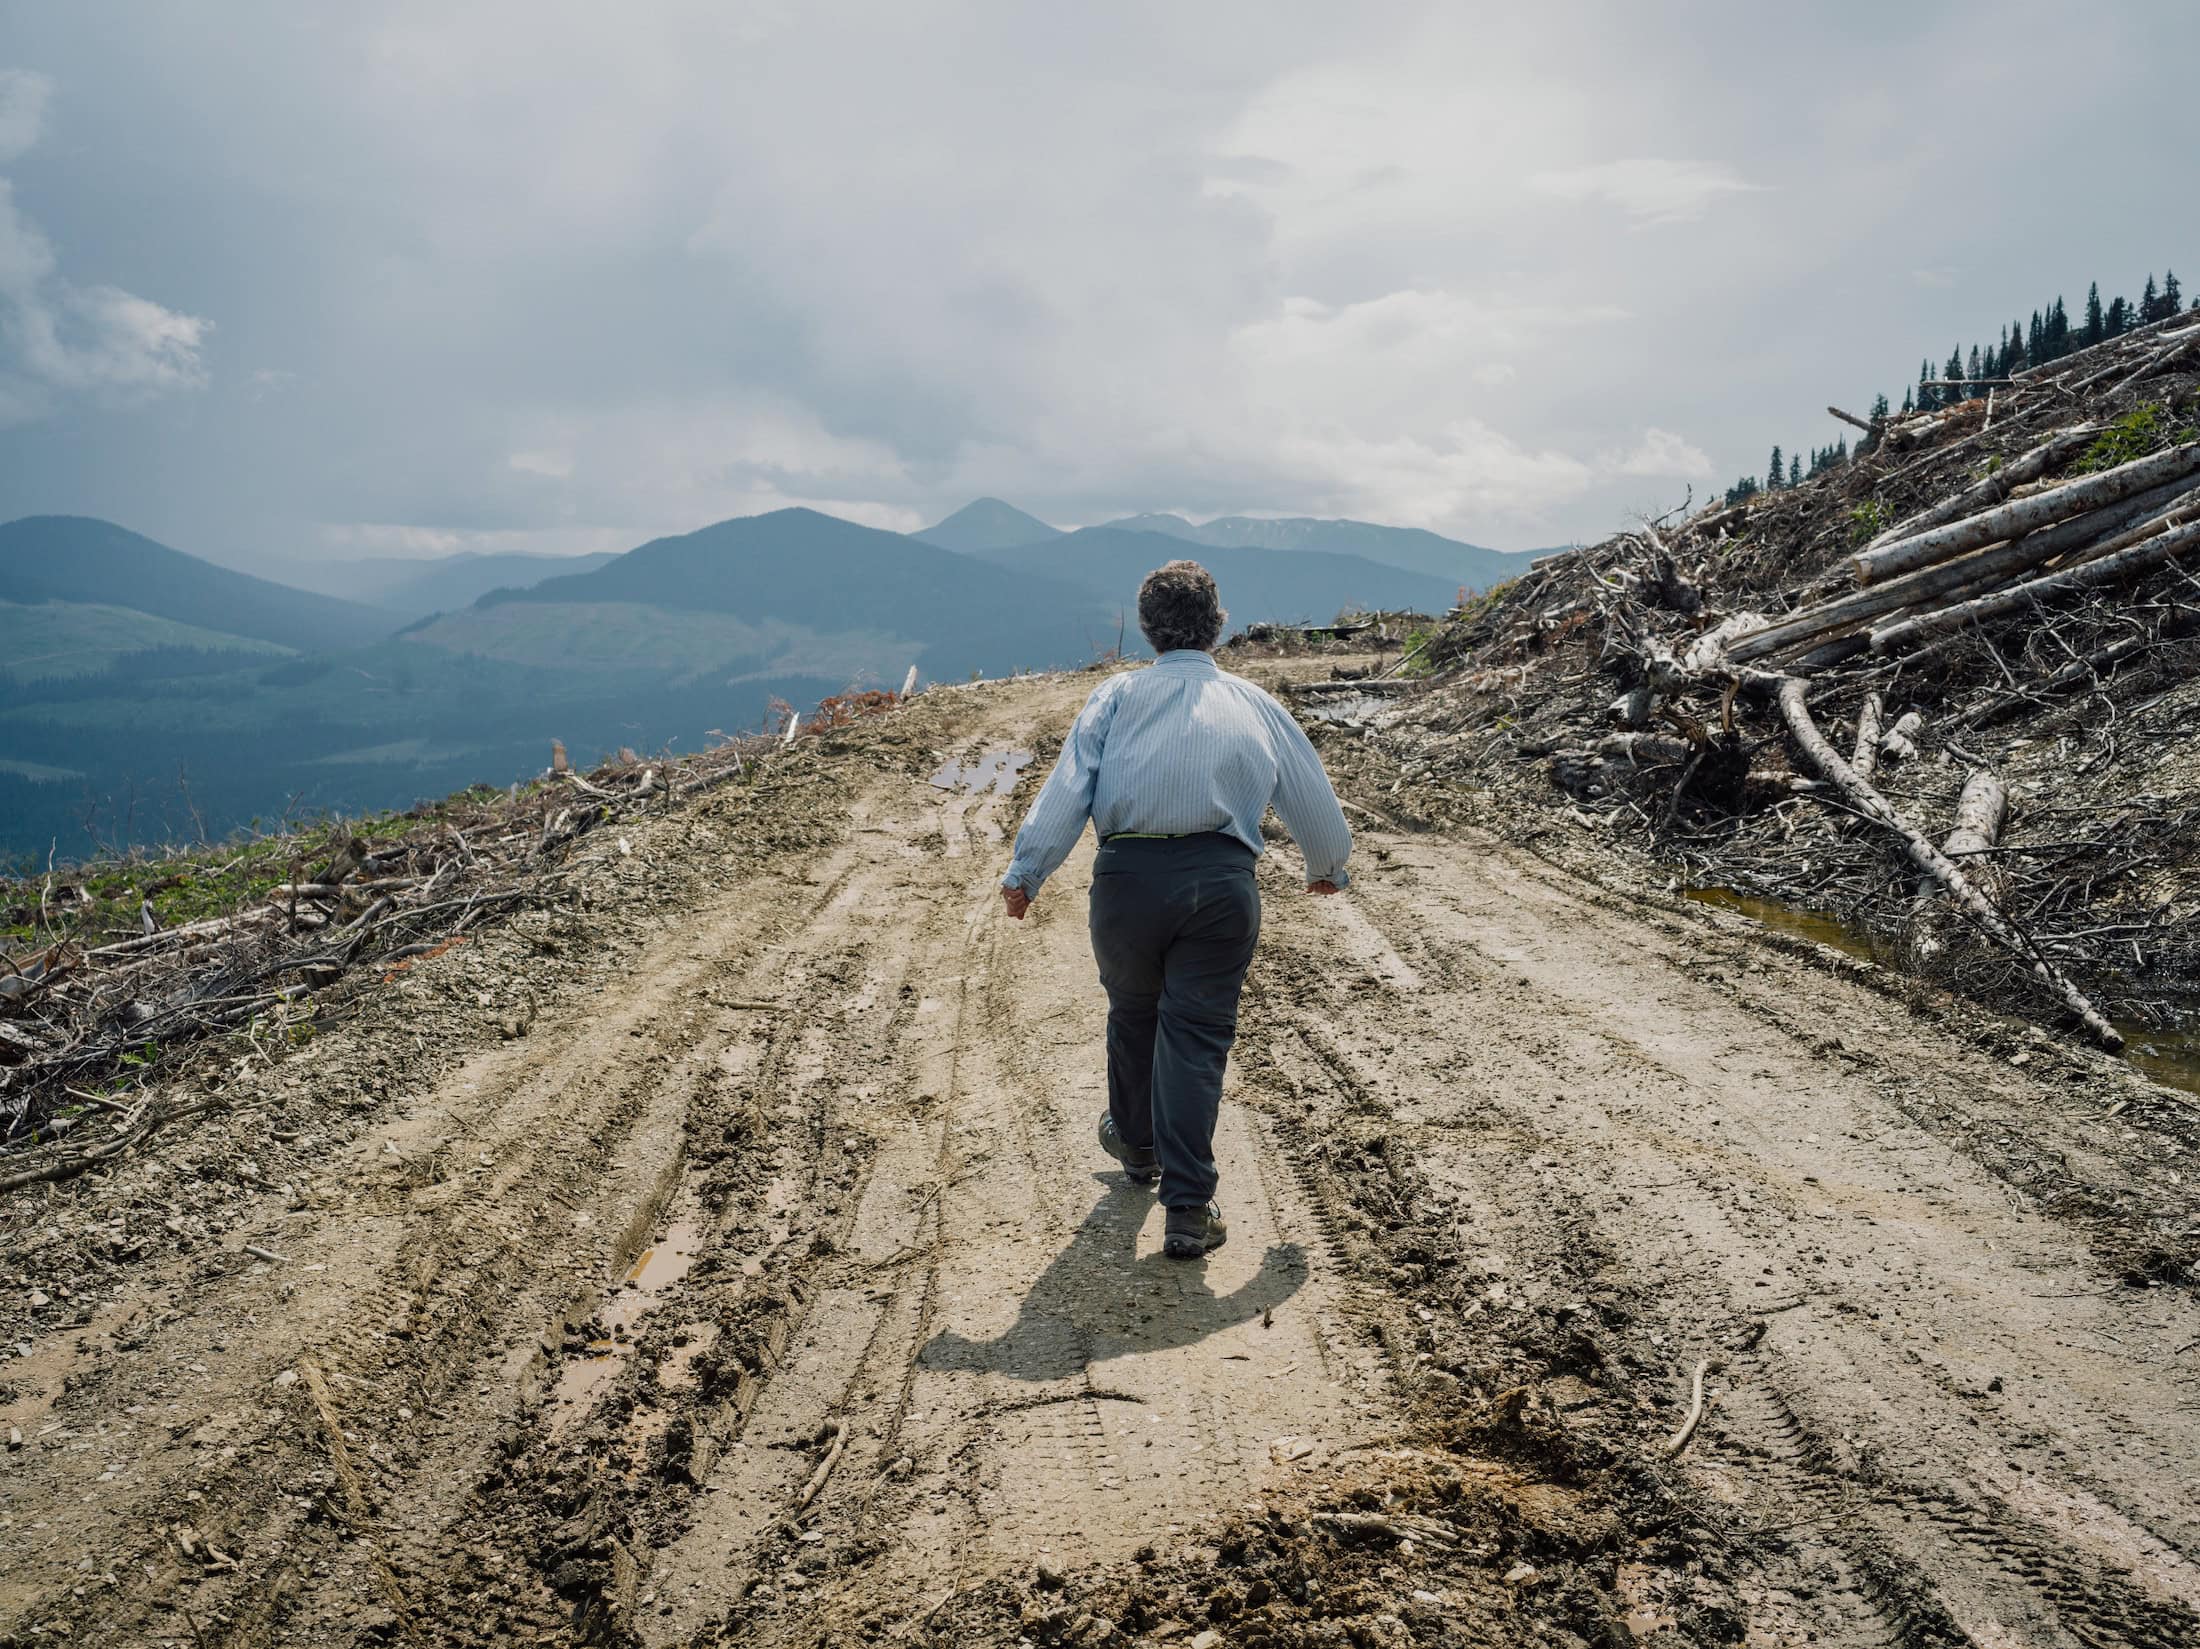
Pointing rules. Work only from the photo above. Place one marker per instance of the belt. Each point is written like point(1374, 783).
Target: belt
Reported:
point(1150, 836)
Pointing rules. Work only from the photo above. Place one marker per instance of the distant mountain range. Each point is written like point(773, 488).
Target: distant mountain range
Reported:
point(413, 588)
point(989, 524)
point(1258, 586)
point(74, 558)
point(143, 690)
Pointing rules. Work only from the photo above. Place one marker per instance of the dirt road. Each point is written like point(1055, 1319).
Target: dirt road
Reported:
point(760, 1282)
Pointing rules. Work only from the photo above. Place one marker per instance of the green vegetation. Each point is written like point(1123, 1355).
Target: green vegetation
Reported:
point(100, 902)
point(2142, 430)
point(1868, 520)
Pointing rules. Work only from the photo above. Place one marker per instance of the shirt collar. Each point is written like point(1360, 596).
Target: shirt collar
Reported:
point(1192, 659)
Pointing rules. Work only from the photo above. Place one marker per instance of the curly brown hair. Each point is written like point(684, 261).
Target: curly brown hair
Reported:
point(1179, 607)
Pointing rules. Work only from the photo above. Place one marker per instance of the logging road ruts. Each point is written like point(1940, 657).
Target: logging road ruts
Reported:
point(813, 1181)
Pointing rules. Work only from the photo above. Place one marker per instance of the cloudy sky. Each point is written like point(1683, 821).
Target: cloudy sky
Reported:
point(298, 280)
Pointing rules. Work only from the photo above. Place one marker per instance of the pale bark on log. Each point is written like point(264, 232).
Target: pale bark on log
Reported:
point(1866, 757)
point(2148, 552)
point(1900, 740)
point(1981, 811)
point(1827, 618)
point(2063, 444)
point(2042, 509)
point(1795, 710)
point(1852, 419)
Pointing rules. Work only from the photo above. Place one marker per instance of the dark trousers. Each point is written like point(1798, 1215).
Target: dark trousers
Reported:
point(1174, 922)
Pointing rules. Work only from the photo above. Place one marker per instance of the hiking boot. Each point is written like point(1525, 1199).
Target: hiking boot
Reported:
point(1189, 1233)
point(1141, 1165)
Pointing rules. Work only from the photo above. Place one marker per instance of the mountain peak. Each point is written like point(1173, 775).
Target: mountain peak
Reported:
point(987, 524)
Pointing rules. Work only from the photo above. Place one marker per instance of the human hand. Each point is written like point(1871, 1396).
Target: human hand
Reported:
point(1017, 900)
point(1321, 887)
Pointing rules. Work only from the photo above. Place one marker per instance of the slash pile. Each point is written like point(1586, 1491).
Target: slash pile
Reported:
point(86, 1015)
point(1992, 607)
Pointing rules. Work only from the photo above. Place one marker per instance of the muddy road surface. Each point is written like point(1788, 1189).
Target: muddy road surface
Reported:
point(728, 1260)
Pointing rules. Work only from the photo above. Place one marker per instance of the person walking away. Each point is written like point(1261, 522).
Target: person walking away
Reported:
point(1175, 765)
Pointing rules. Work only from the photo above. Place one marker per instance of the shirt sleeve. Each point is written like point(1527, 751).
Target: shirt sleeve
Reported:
point(1306, 803)
point(1058, 817)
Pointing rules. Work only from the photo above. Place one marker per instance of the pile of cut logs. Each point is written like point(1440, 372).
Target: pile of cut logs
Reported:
point(2014, 508)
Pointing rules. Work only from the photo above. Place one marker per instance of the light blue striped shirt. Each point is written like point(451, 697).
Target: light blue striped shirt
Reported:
point(1180, 747)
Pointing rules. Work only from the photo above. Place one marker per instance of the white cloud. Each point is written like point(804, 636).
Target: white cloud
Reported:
point(1648, 189)
point(60, 338)
point(556, 466)
point(23, 99)
point(1661, 453)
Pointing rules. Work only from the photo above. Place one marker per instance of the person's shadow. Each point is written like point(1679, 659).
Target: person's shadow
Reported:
point(1097, 1300)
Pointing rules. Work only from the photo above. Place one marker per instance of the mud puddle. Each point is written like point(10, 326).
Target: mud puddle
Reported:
point(587, 1375)
point(2171, 1058)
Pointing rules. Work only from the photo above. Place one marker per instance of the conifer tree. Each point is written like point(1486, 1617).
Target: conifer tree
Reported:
point(1795, 471)
point(2096, 324)
point(1909, 402)
point(1975, 373)
point(2150, 301)
point(2172, 296)
point(1879, 408)
point(2118, 319)
point(2012, 354)
point(1773, 472)
point(2035, 342)
point(1841, 452)
point(1954, 370)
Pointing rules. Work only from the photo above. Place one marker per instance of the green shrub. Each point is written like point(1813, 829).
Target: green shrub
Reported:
point(2142, 430)
point(1868, 520)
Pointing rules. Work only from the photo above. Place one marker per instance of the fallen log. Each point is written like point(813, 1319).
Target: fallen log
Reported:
point(2042, 509)
point(1860, 795)
point(2062, 445)
point(1900, 740)
point(1866, 757)
point(2150, 551)
point(1826, 618)
point(1981, 811)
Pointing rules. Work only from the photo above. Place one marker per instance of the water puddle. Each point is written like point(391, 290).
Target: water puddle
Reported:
point(977, 787)
point(1814, 925)
point(2171, 1058)
point(993, 770)
point(586, 1376)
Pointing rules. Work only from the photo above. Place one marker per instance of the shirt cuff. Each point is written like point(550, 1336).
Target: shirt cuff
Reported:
point(1339, 878)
